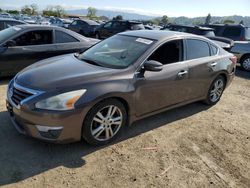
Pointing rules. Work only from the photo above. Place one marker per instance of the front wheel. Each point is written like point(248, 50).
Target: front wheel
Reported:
point(216, 90)
point(245, 63)
point(104, 122)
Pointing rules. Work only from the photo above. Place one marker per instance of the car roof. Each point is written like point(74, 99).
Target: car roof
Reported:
point(157, 34)
point(90, 22)
point(34, 26)
point(10, 19)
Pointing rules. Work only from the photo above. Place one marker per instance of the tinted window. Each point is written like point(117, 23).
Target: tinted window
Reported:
point(232, 32)
point(74, 23)
point(214, 50)
point(197, 49)
point(62, 37)
point(107, 25)
point(40, 37)
point(137, 26)
point(247, 33)
point(171, 52)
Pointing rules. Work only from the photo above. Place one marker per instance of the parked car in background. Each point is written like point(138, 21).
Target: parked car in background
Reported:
point(242, 50)
point(5, 15)
point(60, 22)
point(113, 27)
point(95, 94)
point(7, 22)
point(22, 45)
point(234, 32)
point(84, 27)
point(202, 31)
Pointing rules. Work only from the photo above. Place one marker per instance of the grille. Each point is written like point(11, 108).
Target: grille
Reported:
point(19, 95)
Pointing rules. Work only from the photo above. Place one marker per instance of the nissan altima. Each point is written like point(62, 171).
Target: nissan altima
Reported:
point(93, 95)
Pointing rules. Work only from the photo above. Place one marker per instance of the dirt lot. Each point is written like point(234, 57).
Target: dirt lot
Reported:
point(192, 146)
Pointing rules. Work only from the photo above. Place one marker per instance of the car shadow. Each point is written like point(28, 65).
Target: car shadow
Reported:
point(242, 74)
point(5, 80)
point(23, 157)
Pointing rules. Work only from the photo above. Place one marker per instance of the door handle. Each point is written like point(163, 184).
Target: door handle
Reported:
point(213, 64)
point(182, 73)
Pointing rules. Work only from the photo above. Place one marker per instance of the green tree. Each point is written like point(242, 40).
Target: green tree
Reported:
point(118, 17)
point(12, 11)
point(1, 10)
point(26, 10)
point(34, 9)
point(228, 22)
point(91, 12)
point(164, 20)
point(208, 19)
point(57, 11)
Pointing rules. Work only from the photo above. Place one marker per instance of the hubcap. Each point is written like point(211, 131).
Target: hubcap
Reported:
point(217, 90)
point(246, 64)
point(106, 123)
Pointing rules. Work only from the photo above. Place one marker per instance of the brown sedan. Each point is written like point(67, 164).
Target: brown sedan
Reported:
point(124, 78)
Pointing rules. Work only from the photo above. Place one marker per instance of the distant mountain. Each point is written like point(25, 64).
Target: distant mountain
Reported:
point(178, 20)
point(110, 14)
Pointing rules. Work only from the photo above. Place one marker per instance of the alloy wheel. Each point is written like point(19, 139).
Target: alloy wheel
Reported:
point(246, 64)
point(217, 90)
point(106, 123)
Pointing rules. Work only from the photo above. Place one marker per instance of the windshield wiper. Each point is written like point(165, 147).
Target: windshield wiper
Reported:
point(90, 61)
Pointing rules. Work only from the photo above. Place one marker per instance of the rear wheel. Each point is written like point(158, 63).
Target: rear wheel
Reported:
point(245, 63)
point(216, 90)
point(104, 122)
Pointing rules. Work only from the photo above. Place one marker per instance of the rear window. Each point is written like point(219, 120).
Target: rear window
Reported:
point(197, 49)
point(214, 50)
point(232, 32)
point(247, 33)
point(62, 37)
point(137, 26)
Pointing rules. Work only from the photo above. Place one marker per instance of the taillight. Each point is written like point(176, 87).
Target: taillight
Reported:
point(233, 59)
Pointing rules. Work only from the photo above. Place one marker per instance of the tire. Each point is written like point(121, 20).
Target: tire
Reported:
point(245, 63)
point(216, 90)
point(104, 119)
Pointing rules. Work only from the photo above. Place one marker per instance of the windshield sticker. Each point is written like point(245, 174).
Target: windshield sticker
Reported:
point(144, 41)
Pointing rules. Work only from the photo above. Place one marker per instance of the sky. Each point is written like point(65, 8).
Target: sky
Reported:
point(189, 8)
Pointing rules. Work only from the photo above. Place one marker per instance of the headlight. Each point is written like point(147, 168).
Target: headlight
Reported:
point(65, 101)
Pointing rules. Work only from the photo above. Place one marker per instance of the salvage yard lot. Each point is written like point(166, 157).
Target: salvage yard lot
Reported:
point(191, 146)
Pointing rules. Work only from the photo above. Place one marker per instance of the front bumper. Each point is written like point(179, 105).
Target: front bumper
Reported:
point(57, 127)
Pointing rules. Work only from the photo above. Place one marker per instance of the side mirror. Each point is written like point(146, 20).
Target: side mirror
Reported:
point(10, 43)
point(152, 65)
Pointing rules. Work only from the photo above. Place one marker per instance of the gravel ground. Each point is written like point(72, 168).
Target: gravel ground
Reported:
point(191, 146)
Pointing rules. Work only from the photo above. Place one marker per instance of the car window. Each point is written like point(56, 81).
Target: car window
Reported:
point(62, 37)
point(247, 34)
point(137, 26)
point(232, 32)
point(39, 37)
point(197, 49)
point(170, 52)
point(214, 49)
point(116, 25)
point(107, 25)
point(74, 23)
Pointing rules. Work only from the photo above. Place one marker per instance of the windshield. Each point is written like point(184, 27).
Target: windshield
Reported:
point(7, 33)
point(117, 52)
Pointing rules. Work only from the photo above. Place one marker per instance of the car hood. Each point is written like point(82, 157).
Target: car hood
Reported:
point(60, 72)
